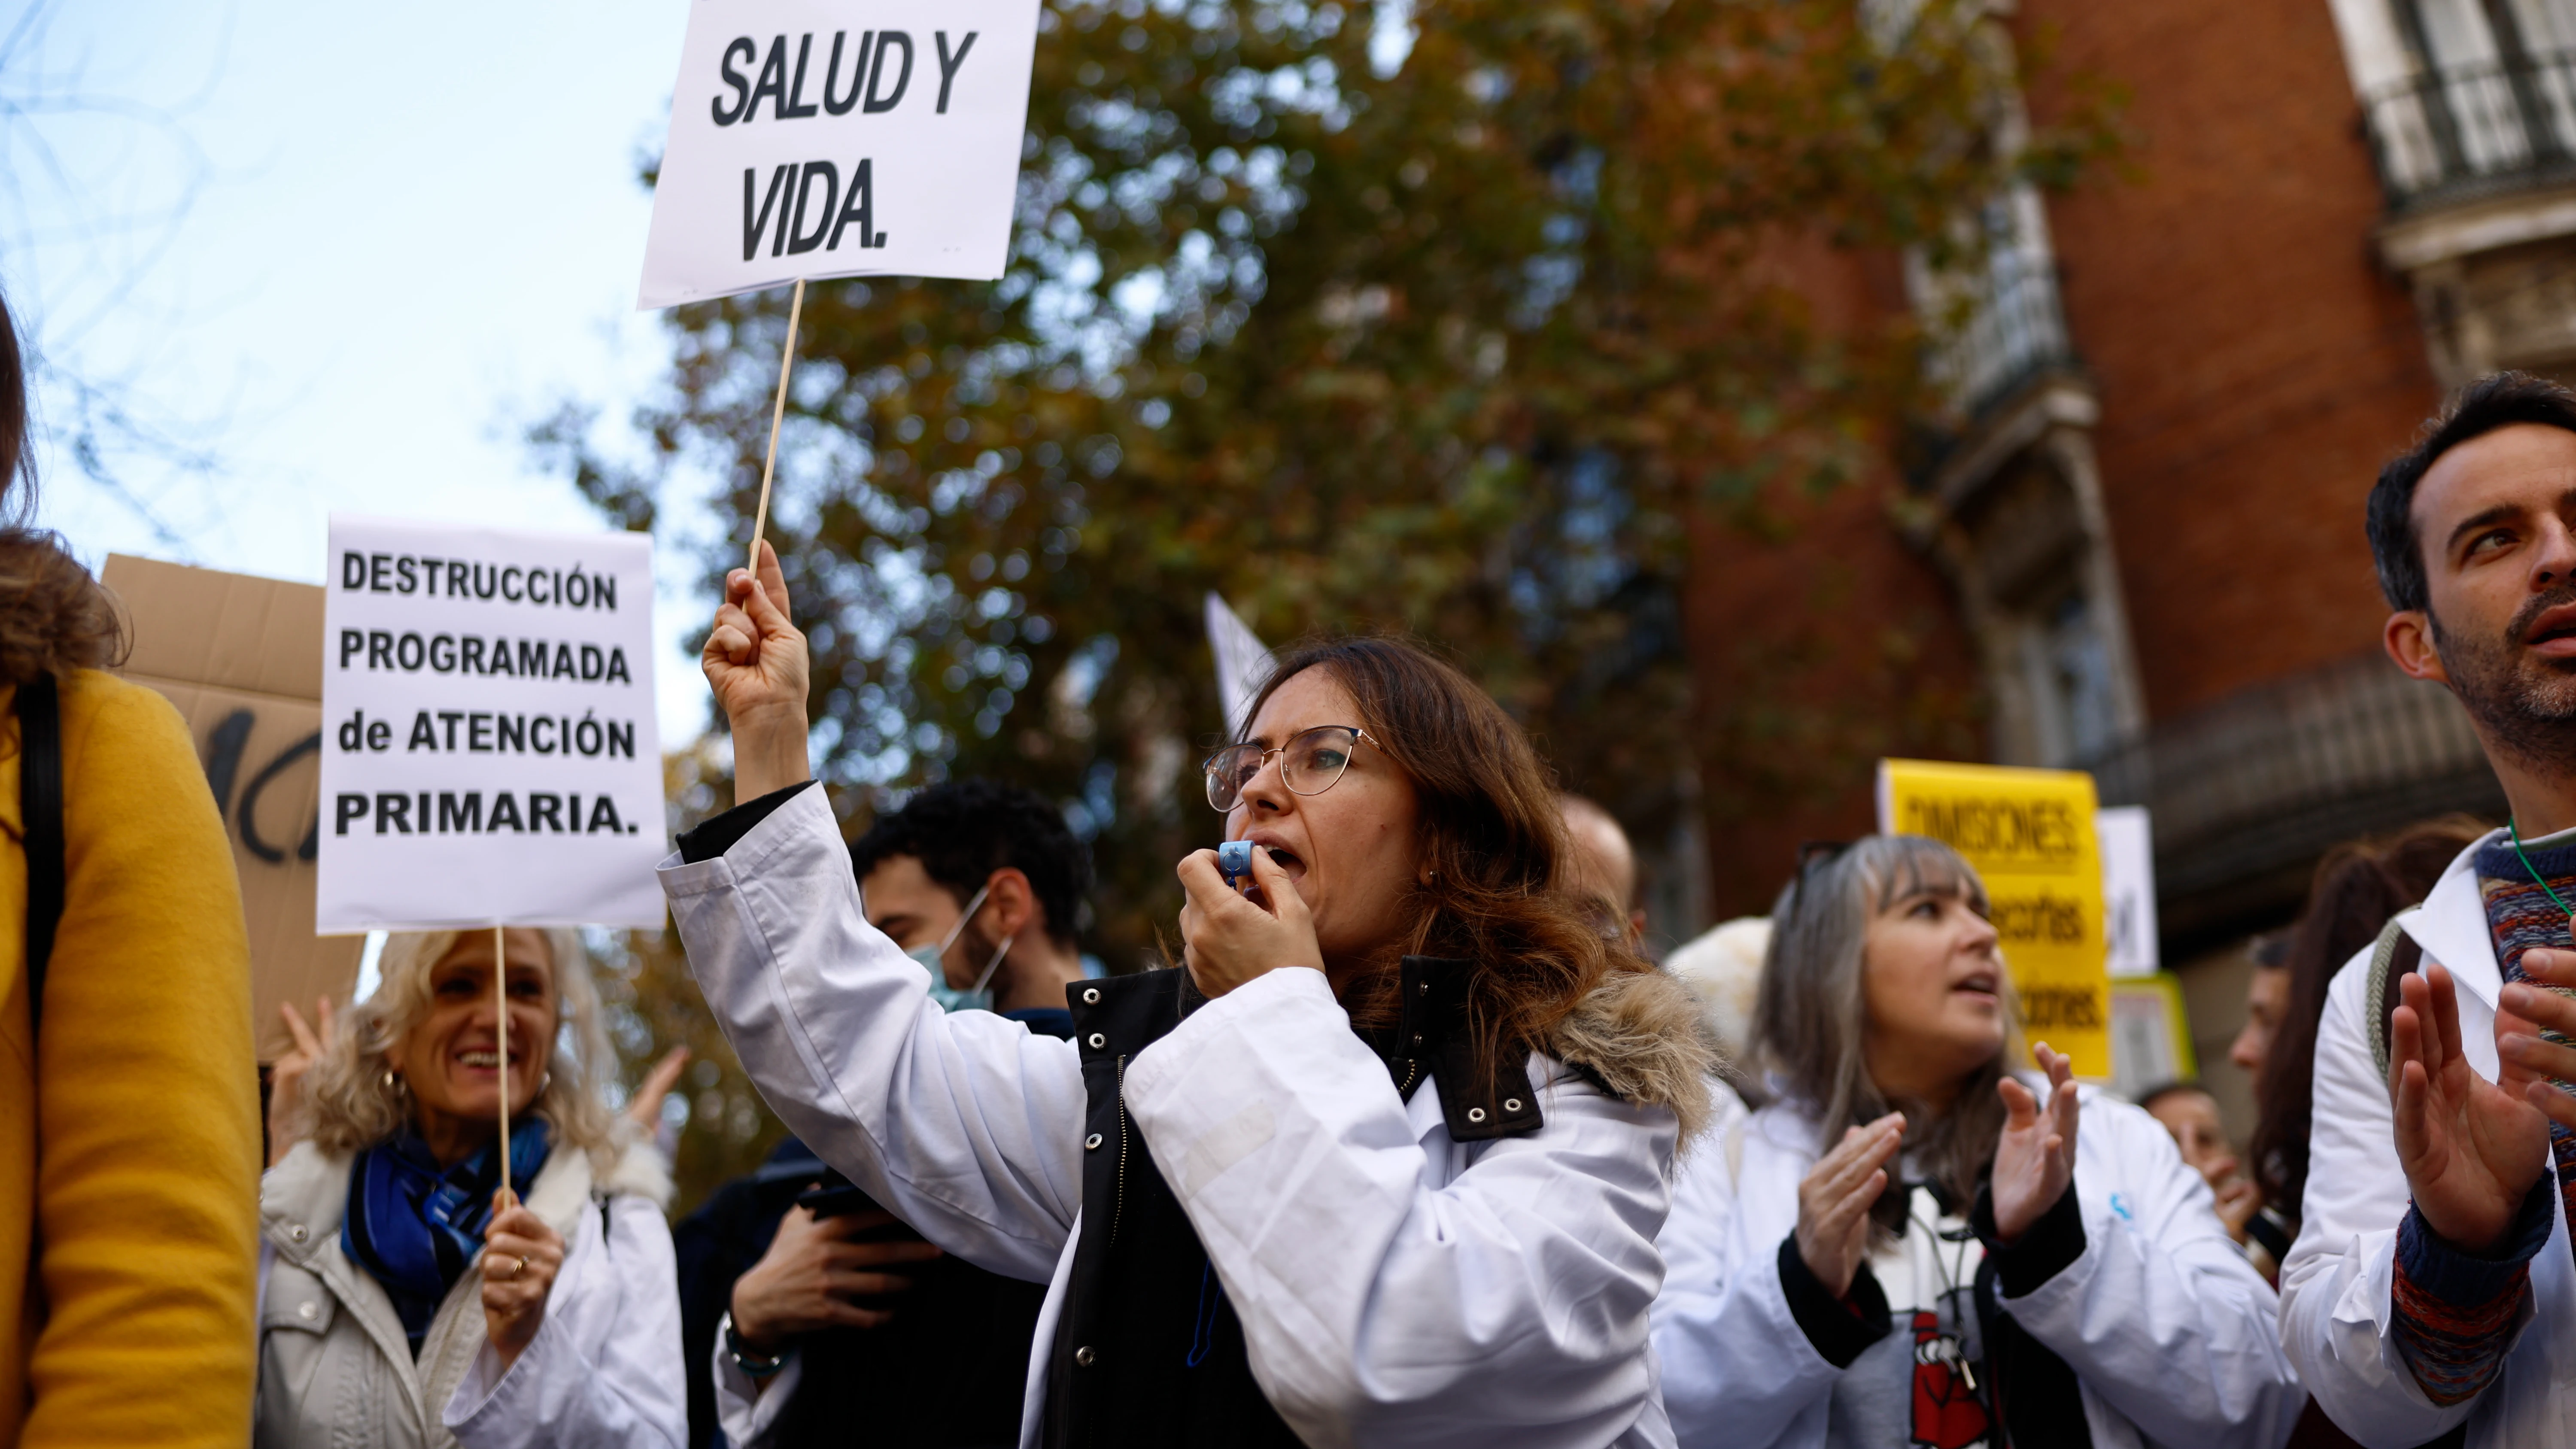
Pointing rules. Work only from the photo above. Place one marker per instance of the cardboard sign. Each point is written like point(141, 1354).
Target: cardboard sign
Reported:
point(241, 657)
point(488, 744)
point(2030, 834)
point(825, 138)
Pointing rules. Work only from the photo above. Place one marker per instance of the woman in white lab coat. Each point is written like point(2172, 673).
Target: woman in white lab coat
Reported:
point(1382, 1163)
point(1909, 1245)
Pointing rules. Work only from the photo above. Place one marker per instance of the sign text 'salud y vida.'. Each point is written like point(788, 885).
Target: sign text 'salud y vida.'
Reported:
point(819, 138)
point(488, 744)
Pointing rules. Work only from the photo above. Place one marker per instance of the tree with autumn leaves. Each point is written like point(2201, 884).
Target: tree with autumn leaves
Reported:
point(1452, 321)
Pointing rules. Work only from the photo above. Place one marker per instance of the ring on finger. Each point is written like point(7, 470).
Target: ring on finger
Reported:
point(519, 1268)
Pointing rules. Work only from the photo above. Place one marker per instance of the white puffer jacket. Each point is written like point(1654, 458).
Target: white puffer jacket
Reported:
point(604, 1371)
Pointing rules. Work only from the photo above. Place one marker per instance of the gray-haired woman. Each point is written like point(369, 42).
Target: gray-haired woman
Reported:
point(1912, 1245)
point(405, 1300)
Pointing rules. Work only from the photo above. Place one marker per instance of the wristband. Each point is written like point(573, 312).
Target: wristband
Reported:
point(752, 1362)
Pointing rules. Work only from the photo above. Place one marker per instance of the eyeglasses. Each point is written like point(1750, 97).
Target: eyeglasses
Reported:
point(1309, 763)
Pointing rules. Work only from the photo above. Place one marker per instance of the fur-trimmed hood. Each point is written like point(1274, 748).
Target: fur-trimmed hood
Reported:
point(1641, 1036)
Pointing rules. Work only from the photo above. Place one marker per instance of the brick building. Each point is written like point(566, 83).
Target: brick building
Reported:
point(2136, 546)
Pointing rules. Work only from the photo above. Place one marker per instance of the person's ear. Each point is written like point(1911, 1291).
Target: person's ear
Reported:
point(1012, 907)
point(2408, 637)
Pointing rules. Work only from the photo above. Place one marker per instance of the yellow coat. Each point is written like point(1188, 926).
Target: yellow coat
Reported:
point(129, 1158)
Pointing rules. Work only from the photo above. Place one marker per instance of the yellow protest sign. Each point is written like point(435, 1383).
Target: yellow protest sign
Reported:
point(2030, 834)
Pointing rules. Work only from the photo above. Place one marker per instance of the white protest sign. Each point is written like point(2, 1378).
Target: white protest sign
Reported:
point(1242, 664)
point(2129, 889)
point(488, 745)
point(834, 138)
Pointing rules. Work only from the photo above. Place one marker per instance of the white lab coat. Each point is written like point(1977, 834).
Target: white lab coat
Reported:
point(1395, 1287)
point(2170, 1333)
point(2335, 1310)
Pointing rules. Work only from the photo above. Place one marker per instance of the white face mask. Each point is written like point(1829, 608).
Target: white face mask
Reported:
point(933, 959)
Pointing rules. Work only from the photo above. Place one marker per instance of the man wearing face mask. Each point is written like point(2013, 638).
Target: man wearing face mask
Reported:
point(984, 880)
point(980, 882)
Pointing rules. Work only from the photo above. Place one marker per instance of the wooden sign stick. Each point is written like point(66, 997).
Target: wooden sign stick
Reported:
point(777, 414)
point(501, 999)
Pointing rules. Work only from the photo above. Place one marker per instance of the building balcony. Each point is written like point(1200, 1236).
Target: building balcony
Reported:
point(2479, 165)
point(2467, 132)
point(2015, 332)
point(2247, 793)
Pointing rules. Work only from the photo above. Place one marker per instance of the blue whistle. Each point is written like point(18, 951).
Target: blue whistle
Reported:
point(1234, 857)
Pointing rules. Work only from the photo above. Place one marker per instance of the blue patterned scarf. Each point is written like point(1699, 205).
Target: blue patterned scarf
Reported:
point(415, 1227)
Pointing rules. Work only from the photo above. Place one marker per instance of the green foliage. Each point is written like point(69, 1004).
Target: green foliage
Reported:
point(1459, 346)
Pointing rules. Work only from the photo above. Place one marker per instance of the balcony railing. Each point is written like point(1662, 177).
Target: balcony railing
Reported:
point(2015, 331)
point(2247, 793)
point(2466, 131)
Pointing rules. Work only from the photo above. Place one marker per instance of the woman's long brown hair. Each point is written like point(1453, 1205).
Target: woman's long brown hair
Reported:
point(54, 618)
point(1492, 838)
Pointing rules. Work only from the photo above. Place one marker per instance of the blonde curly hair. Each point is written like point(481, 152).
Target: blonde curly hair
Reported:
point(351, 1105)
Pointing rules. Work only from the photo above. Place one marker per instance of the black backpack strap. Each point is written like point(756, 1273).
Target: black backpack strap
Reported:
point(40, 808)
point(2395, 954)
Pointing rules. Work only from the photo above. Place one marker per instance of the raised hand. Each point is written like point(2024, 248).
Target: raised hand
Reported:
point(757, 662)
point(1228, 938)
point(1835, 1198)
point(644, 1109)
point(286, 1077)
point(2471, 1148)
point(2035, 1157)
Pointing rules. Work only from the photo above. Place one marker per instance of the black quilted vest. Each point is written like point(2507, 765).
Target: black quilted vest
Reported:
point(1148, 1353)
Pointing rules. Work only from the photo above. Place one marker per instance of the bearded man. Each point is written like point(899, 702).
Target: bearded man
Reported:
point(2431, 1295)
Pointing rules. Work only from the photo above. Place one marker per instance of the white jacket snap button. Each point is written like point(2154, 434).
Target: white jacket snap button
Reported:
point(1084, 1356)
point(308, 1311)
point(1511, 1104)
point(1091, 1143)
point(1098, 1041)
point(1475, 1114)
point(1091, 996)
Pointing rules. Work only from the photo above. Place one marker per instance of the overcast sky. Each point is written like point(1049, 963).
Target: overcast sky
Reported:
point(408, 231)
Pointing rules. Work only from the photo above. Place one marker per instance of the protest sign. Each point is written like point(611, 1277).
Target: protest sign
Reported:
point(1243, 663)
point(241, 658)
point(2150, 1034)
point(824, 138)
point(488, 745)
point(2030, 834)
point(2129, 889)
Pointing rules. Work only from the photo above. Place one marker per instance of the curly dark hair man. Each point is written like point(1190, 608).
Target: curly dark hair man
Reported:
point(989, 874)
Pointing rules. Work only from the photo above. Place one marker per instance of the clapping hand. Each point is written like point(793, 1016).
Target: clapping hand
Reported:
point(1835, 1198)
point(2471, 1148)
point(2035, 1158)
